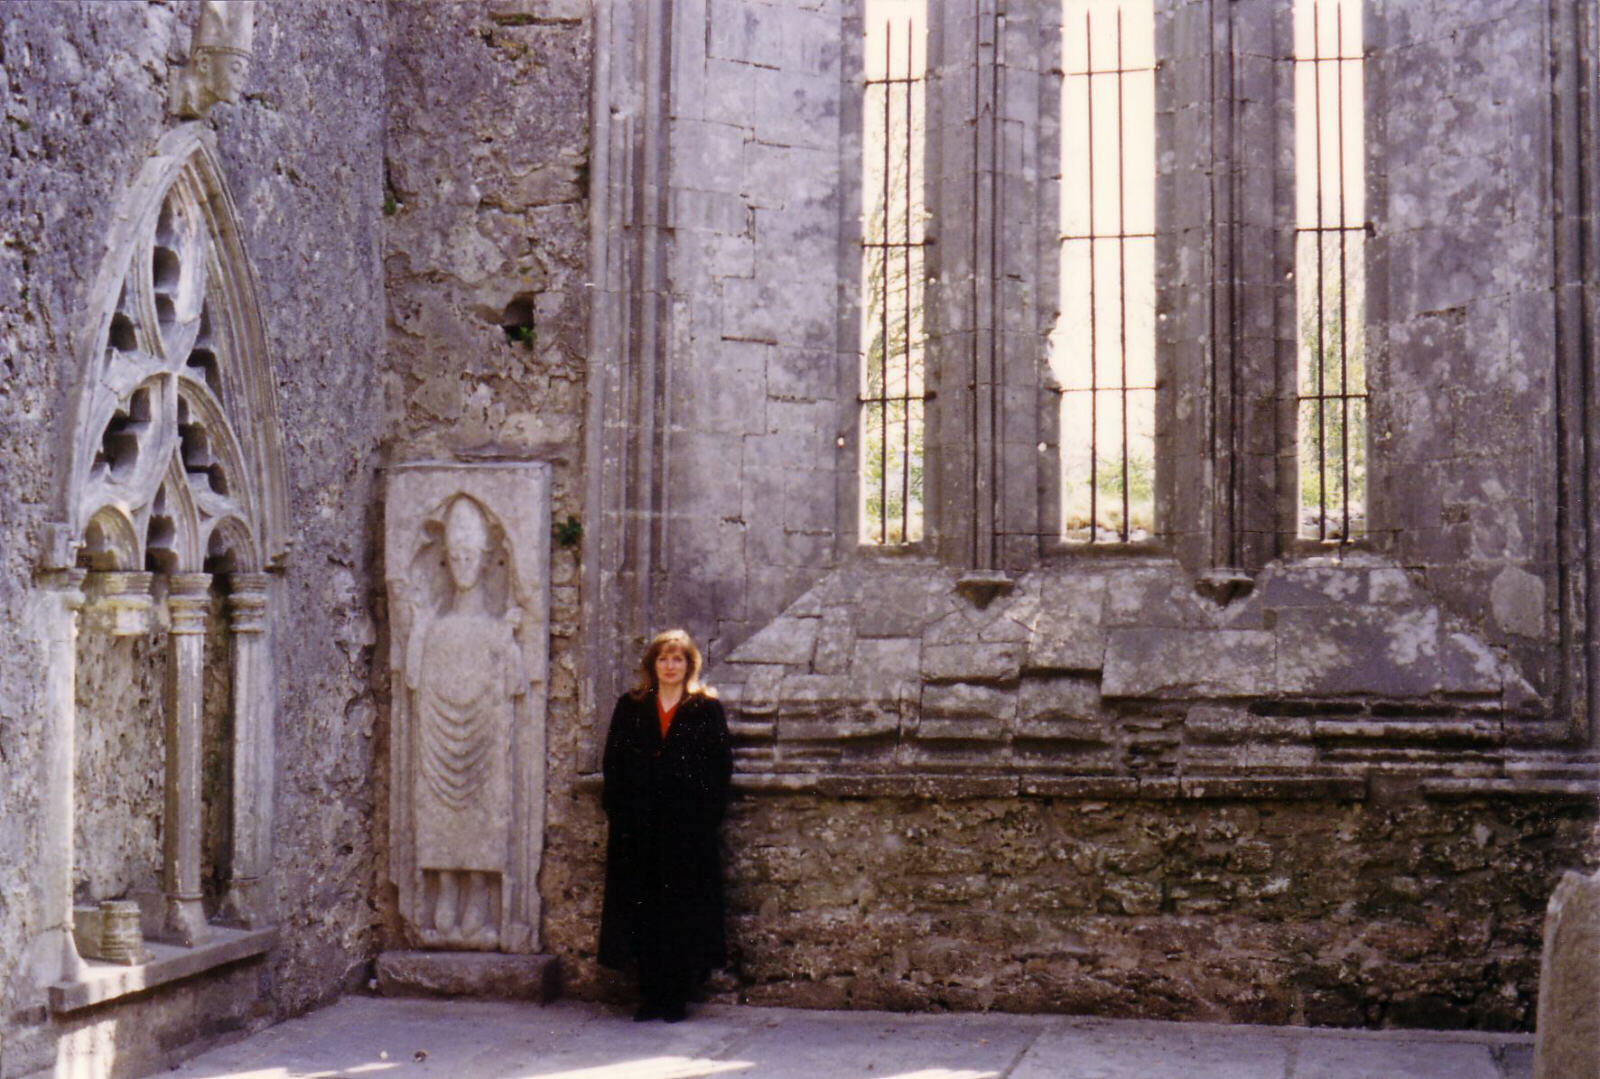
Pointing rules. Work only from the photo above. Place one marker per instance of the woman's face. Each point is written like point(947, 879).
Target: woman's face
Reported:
point(672, 667)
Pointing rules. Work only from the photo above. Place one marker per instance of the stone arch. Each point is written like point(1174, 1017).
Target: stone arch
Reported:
point(173, 467)
point(175, 315)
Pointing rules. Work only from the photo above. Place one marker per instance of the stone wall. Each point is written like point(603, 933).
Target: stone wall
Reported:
point(486, 269)
point(1425, 688)
point(1393, 910)
point(1226, 777)
point(84, 104)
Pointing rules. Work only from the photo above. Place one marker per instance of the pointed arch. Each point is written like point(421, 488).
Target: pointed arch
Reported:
point(175, 296)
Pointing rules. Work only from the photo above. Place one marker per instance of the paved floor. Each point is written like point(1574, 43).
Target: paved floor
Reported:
point(448, 1039)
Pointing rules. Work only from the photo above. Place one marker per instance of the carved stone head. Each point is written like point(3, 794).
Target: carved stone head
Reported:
point(466, 538)
point(219, 60)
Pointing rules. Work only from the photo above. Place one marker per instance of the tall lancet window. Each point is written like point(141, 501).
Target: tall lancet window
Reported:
point(893, 345)
point(1330, 234)
point(1103, 345)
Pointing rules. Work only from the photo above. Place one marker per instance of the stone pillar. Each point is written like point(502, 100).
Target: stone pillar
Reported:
point(1568, 1045)
point(54, 956)
point(188, 604)
point(249, 900)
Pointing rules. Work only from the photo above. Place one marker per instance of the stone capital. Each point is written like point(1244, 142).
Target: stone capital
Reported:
point(188, 602)
point(247, 602)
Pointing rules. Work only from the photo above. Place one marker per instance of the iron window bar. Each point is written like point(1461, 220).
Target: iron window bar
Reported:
point(883, 395)
point(1121, 388)
point(1341, 230)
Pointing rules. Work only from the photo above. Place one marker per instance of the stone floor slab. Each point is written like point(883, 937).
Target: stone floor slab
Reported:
point(1390, 1055)
point(1129, 1049)
point(419, 1038)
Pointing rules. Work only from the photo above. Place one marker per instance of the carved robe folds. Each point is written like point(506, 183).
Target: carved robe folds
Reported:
point(464, 674)
point(468, 555)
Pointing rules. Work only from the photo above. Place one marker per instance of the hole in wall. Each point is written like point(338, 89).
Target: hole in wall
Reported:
point(517, 320)
point(194, 443)
point(161, 537)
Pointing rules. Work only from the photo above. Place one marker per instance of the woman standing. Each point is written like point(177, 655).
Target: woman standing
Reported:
point(667, 766)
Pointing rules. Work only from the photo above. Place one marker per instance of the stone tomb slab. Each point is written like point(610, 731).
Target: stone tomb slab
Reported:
point(493, 975)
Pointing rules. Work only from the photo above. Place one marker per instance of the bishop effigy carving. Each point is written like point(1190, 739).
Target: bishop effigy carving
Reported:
point(468, 547)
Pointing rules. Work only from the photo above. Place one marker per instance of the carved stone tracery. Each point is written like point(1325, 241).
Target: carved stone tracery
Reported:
point(175, 489)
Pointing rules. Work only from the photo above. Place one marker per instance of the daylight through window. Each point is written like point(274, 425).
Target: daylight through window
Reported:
point(1330, 233)
point(1103, 345)
point(892, 243)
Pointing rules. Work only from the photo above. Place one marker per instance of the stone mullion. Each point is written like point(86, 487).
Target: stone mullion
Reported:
point(948, 315)
point(985, 283)
point(1023, 232)
point(249, 622)
point(57, 951)
point(188, 604)
point(1256, 480)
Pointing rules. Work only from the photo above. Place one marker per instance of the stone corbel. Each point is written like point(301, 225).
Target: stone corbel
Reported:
point(219, 61)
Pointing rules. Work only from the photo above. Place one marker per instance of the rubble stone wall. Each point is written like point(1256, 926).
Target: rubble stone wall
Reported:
point(85, 102)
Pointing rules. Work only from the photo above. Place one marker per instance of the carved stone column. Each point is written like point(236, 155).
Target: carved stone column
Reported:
point(188, 603)
point(249, 900)
point(54, 954)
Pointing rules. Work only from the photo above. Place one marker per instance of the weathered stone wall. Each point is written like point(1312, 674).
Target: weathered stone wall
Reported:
point(85, 101)
point(1105, 697)
point(1392, 910)
point(486, 266)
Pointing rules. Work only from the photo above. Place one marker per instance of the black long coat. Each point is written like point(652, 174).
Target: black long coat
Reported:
point(664, 799)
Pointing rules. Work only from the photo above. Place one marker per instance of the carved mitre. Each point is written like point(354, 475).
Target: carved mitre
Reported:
point(219, 60)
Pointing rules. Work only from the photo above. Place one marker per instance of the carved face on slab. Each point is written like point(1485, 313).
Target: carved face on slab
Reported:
point(466, 538)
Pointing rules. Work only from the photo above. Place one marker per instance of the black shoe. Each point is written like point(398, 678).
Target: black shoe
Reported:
point(674, 1012)
point(648, 1010)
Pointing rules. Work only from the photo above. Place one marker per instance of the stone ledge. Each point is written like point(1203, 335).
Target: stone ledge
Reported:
point(1347, 783)
point(495, 975)
point(1578, 790)
point(102, 982)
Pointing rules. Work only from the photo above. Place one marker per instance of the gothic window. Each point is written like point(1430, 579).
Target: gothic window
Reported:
point(893, 340)
point(1330, 234)
point(1102, 348)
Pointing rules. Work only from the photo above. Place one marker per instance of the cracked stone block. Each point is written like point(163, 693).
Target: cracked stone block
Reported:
point(972, 662)
point(787, 641)
point(1058, 699)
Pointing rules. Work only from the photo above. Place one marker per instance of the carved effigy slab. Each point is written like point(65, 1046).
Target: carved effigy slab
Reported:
point(467, 551)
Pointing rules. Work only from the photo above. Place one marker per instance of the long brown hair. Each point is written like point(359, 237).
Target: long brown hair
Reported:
point(678, 640)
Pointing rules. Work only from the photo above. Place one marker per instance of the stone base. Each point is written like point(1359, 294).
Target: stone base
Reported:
point(469, 974)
